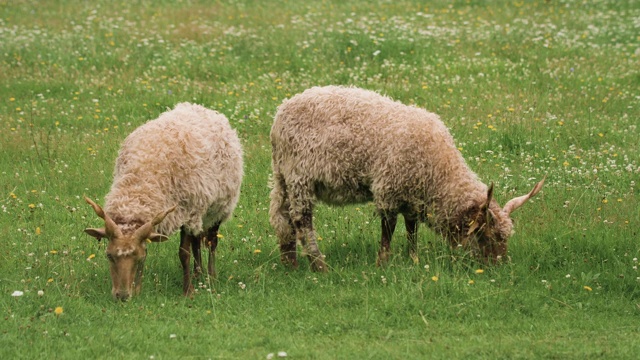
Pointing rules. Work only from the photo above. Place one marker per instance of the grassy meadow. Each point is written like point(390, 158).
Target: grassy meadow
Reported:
point(527, 88)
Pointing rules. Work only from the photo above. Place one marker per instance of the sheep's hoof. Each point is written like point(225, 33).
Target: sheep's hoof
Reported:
point(288, 254)
point(383, 258)
point(212, 274)
point(187, 290)
point(289, 259)
point(318, 264)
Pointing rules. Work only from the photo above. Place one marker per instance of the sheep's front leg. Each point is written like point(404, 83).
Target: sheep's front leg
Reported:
point(212, 242)
point(185, 256)
point(196, 244)
point(389, 221)
point(306, 235)
point(411, 224)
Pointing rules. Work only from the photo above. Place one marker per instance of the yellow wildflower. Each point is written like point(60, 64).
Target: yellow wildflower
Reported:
point(479, 271)
point(587, 288)
point(58, 310)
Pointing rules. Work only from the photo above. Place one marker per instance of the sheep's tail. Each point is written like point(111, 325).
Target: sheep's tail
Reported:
point(279, 211)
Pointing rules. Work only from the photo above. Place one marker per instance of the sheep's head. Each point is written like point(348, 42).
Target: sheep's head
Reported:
point(490, 227)
point(126, 252)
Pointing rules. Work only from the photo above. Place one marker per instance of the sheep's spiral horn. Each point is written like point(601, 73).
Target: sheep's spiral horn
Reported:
point(515, 203)
point(110, 226)
point(146, 229)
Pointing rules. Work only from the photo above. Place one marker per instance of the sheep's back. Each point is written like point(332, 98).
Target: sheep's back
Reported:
point(349, 137)
point(188, 157)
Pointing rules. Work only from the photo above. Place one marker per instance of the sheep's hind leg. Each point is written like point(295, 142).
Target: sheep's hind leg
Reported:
point(306, 235)
point(212, 242)
point(288, 254)
point(411, 224)
point(389, 221)
point(185, 256)
point(280, 220)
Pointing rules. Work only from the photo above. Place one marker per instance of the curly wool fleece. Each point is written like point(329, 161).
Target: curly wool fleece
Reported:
point(189, 157)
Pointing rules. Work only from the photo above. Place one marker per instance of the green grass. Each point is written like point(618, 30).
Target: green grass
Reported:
point(527, 88)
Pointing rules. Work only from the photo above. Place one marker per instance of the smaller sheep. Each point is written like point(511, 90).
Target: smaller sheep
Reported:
point(344, 145)
point(180, 171)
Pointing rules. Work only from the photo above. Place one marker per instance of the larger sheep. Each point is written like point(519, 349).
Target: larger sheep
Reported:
point(180, 171)
point(344, 145)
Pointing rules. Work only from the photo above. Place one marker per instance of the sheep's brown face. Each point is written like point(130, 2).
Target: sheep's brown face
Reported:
point(491, 238)
point(126, 255)
point(126, 264)
point(126, 252)
point(490, 227)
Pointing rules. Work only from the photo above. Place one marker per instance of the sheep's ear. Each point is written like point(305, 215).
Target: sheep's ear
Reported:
point(473, 226)
point(484, 217)
point(96, 233)
point(155, 237)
